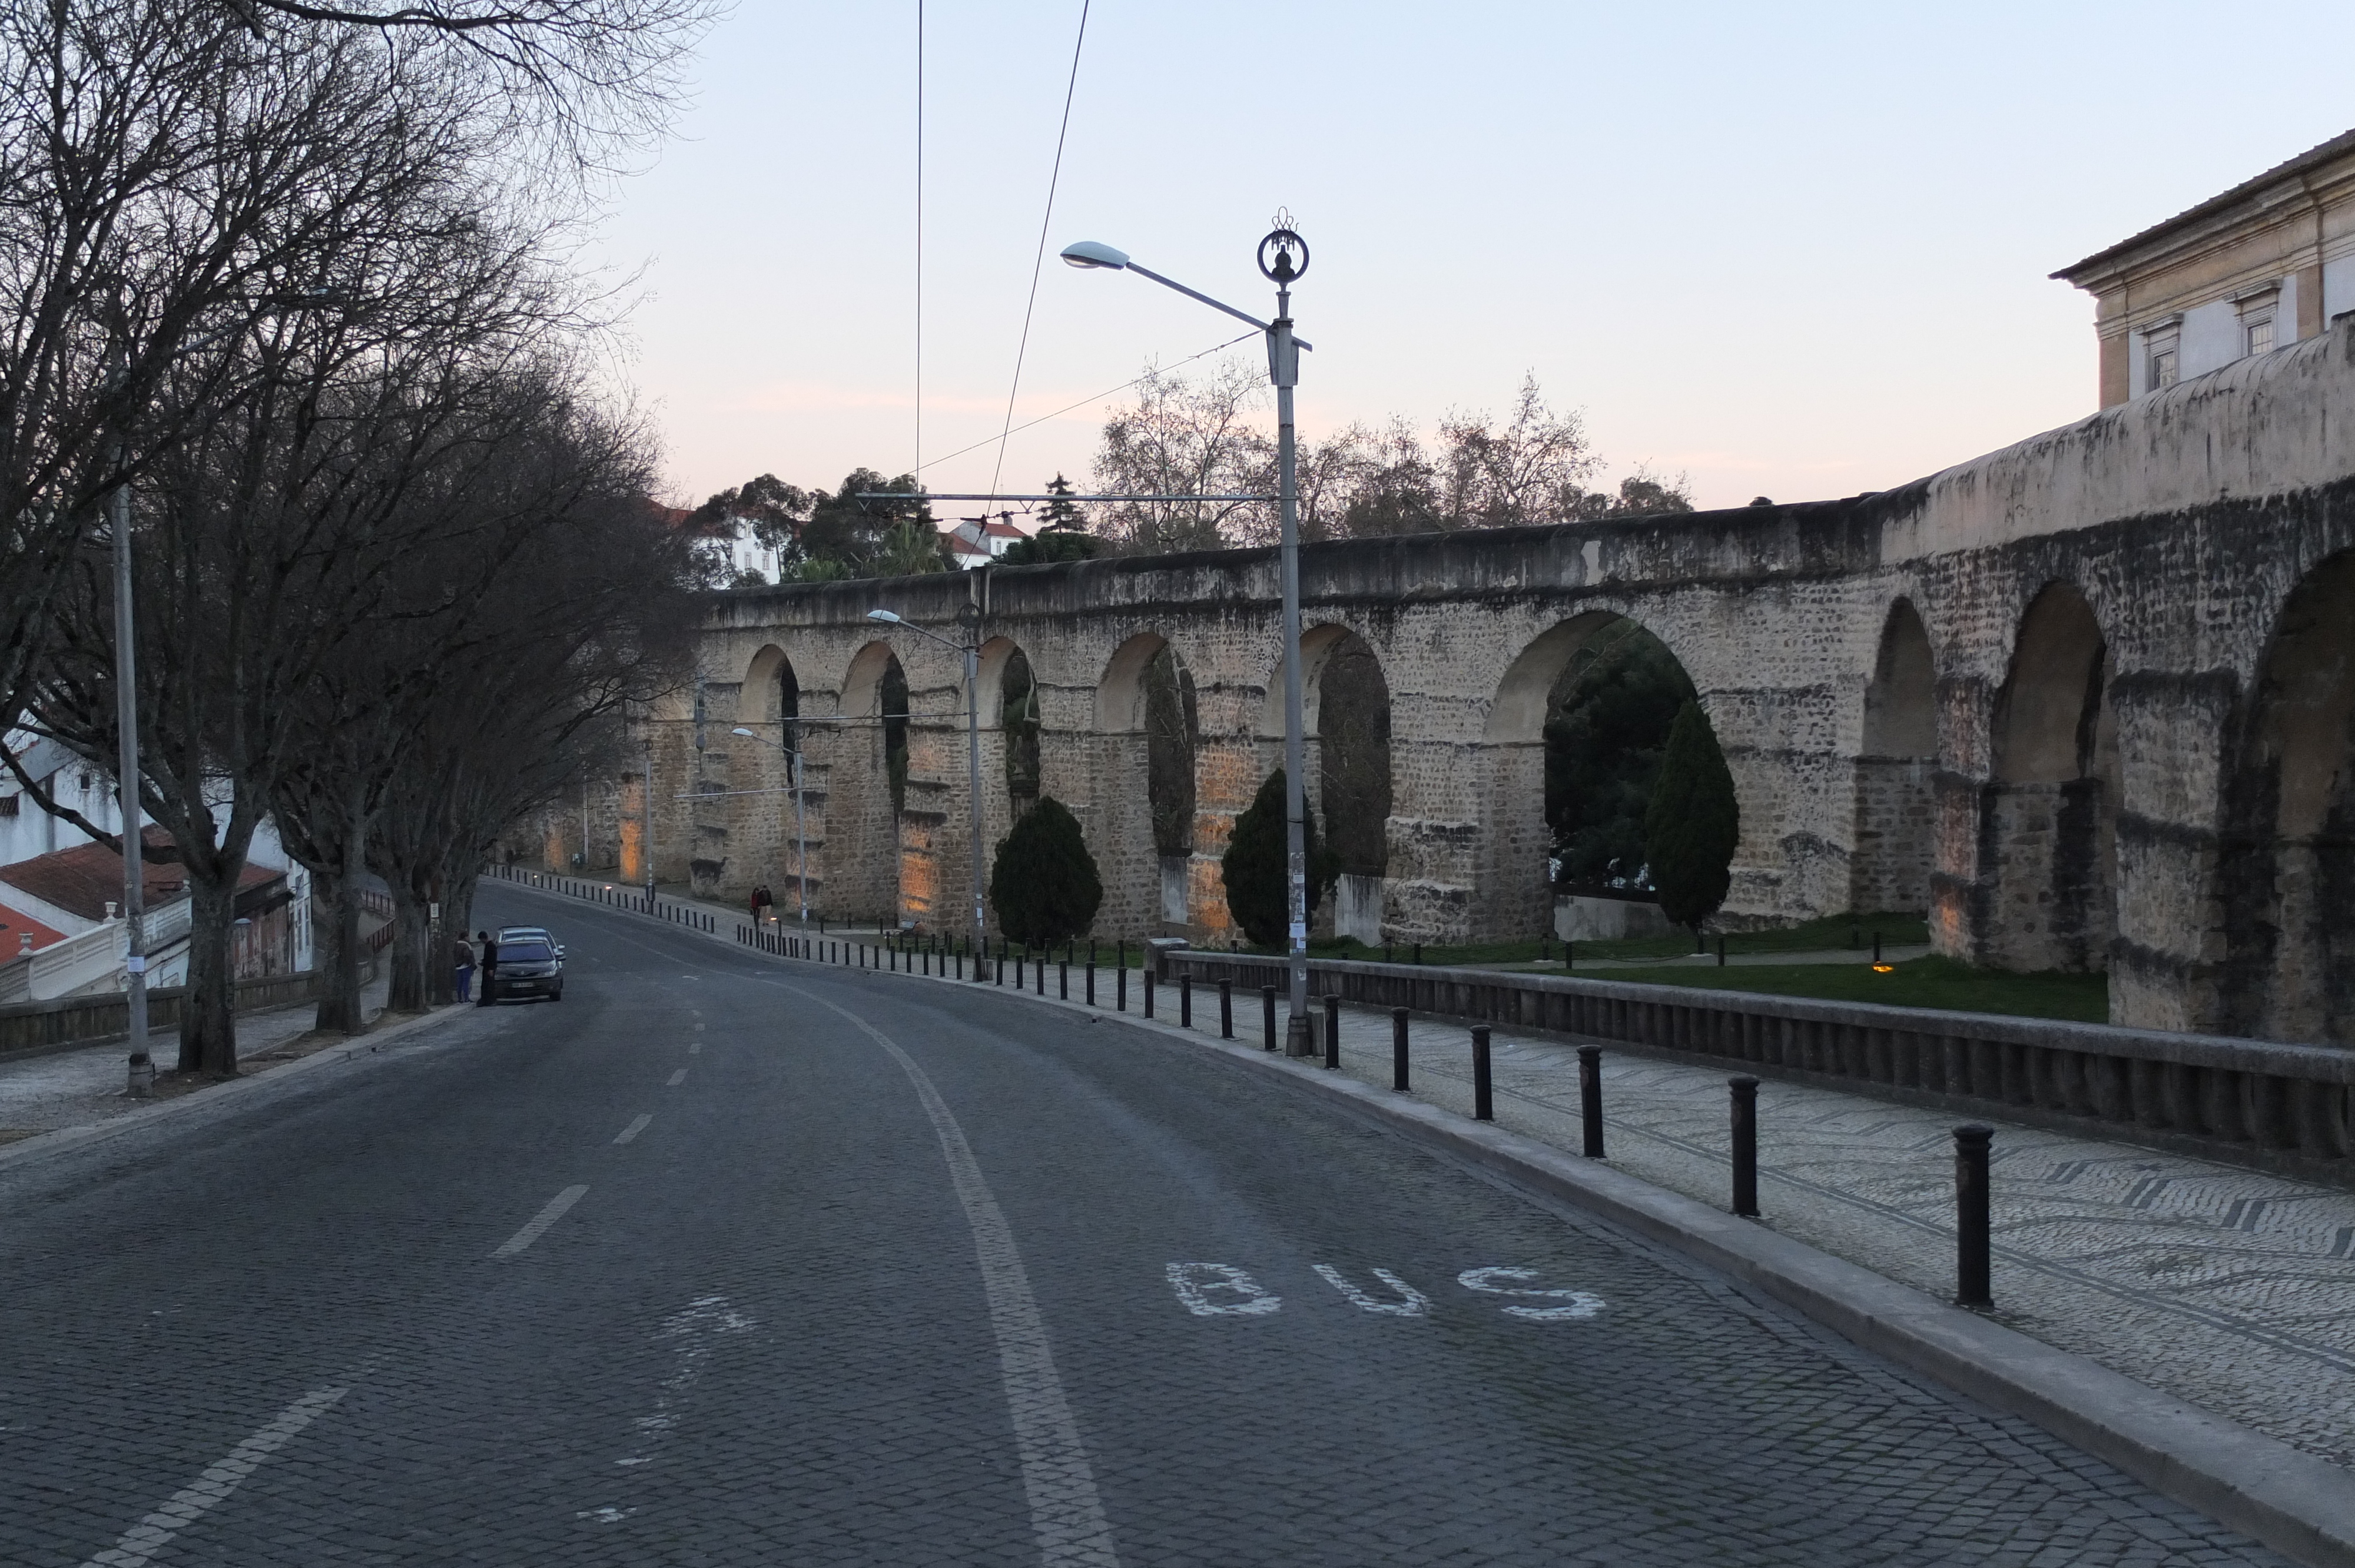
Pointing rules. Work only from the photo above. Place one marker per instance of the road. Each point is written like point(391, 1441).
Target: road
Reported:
point(724, 1260)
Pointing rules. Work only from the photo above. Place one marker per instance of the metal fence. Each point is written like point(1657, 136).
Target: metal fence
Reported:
point(2253, 1102)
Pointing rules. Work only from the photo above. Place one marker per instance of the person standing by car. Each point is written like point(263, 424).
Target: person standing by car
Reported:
point(490, 968)
point(462, 957)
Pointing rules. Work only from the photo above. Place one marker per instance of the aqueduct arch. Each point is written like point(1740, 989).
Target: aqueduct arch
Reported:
point(2286, 870)
point(2096, 754)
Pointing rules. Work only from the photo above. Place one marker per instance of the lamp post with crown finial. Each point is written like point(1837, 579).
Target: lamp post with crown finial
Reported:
point(1283, 258)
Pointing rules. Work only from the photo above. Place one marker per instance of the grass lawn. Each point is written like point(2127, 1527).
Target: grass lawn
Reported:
point(1855, 931)
point(1931, 982)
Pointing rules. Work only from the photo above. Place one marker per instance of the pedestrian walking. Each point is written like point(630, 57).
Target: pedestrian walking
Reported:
point(490, 968)
point(462, 956)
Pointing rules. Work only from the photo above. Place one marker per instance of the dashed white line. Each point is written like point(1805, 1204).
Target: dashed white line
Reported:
point(677, 1079)
point(694, 1047)
point(633, 1130)
point(540, 1222)
point(190, 1503)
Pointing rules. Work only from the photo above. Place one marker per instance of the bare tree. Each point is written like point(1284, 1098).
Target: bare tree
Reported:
point(1515, 473)
point(1185, 437)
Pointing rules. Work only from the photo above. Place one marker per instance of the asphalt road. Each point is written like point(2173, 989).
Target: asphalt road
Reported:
point(724, 1260)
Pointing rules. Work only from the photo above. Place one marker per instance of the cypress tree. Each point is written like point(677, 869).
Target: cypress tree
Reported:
point(1254, 867)
point(1043, 884)
point(1693, 823)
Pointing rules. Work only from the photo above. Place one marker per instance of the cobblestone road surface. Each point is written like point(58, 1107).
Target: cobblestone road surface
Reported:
point(727, 1261)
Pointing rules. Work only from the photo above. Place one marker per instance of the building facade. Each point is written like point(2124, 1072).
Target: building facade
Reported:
point(2267, 264)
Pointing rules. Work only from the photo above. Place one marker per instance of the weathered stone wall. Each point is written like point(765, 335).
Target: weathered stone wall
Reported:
point(2182, 521)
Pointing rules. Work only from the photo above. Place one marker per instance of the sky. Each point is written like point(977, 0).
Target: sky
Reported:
point(1799, 250)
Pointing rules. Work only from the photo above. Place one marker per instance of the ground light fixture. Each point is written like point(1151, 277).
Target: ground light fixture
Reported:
point(1283, 258)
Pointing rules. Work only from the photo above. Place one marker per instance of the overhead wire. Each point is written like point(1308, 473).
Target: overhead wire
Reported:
point(1214, 348)
point(1038, 261)
point(920, 235)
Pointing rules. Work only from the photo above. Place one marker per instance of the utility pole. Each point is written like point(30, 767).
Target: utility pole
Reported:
point(648, 855)
point(127, 723)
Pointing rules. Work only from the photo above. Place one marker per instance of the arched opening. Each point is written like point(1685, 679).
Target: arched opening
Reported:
point(868, 786)
point(2050, 819)
point(1351, 725)
point(1149, 726)
point(769, 767)
point(1896, 815)
point(1577, 729)
point(2287, 863)
point(1019, 722)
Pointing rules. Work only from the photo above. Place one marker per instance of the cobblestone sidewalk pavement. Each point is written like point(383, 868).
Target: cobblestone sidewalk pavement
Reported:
point(2229, 1287)
point(77, 1088)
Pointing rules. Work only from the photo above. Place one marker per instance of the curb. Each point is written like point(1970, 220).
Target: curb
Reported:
point(2300, 1506)
point(61, 1139)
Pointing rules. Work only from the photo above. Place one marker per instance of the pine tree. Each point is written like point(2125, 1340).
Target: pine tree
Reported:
point(1254, 868)
point(1044, 884)
point(1694, 823)
point(1062, 533)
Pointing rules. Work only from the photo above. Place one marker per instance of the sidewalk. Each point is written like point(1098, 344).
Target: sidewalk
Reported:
point(2227, 1288)
point(84, 1086)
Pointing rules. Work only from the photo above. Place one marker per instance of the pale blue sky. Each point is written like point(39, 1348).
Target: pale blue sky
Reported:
point(1796, 250)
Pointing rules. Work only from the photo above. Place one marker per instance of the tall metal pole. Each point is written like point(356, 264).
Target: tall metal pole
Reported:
point(126, 721)
point(801, 839)
point(972, 778)
point(1283, 368)
point(650, 820)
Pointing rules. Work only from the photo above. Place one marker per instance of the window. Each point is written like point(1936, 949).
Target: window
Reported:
point(2162, 367)
point(11, 805)
point(2162, 342)
point(2259, 336)
point(2257, 309)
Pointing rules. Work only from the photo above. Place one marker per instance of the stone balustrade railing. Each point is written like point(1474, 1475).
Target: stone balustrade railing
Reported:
point(2289, 1107)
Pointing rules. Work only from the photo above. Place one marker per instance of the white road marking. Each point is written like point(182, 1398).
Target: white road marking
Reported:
point(633, 1130)
point(677, 1079)
point(694, 1047)
point(1582, 1304)
point(606, 1515)
point(192, 1502)
point(699, 1029)
point(540, 1222)
point(1193, 1281)
point(1067, 1514)
point(1412, 1303)
point(693, 1330)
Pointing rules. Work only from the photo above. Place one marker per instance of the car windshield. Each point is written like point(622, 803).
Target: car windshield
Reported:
point(533, 951)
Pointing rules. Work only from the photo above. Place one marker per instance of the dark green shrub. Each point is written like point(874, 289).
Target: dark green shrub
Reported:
point(1044, 884)
point(1694, 823)
point(1254, 865)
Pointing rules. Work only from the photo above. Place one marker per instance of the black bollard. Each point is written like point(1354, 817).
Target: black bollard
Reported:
point(1876, 946)
point(1267, 1013)
point(1387, 957)
point(1974, 1285)
point(1092, 974)
point(1063, 979)
point(1569, 955)
point(1039, 970)
point(1226, 1009)
point(1483, 1107)
point(1398, 1049)
point(1119, 989)
point(1148, 972)
point(1018, 960)
point(1745, 1146)
point(1721, 949)
point(1590, 1097)
point(1185, 1001)
point(1333, 1031)
point(1418, 952)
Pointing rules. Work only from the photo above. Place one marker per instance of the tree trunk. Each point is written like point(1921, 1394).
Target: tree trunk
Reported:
point(406, 992)
point(329, 895)
point(208, 1014)
point(350, 1007)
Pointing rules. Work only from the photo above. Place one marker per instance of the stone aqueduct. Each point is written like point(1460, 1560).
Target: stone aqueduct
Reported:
point(2086, 699)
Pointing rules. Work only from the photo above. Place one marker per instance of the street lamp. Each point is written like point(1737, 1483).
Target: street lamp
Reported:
point(1279, 264)
point(801, 835)
point(972, 652)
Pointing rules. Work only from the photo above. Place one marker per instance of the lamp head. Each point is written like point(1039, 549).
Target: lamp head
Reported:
point(1095, 253)
point(747, 734)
